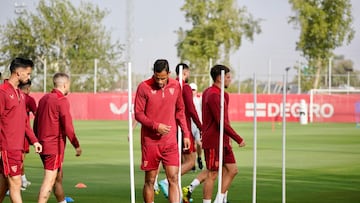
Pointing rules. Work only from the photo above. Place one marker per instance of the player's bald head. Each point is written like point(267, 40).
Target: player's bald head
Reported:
point(60, 79)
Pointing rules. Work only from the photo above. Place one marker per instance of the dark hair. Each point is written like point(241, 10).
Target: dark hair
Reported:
point(184, 66)
point(161, 65)
point(20, 63)
point(216, 71)
point(23, 85)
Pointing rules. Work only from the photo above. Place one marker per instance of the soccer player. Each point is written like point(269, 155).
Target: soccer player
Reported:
point(188, 156)
point(52, 124)
point(159, 107)
point(188, 190)
point(211, 132)
point(13, 129)
point(30, 108)
point(194, 129)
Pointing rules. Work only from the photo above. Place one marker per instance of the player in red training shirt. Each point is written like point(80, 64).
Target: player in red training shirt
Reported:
point(211, 135)
point(13, 129)
point(188, 156)
point(159, 107)
point(52, 124)
point(31, 107)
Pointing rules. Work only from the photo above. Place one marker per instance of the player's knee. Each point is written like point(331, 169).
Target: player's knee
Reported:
point(173, 179)
point(212, 174)
point(150, 181)
point(233, 171)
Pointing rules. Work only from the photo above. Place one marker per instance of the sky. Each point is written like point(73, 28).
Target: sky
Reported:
point(153, 26)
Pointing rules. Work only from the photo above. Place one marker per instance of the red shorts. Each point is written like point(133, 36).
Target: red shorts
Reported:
point(192, 147)
point(212, 158)
point(52, 161)
point(153, 154)
point(11, 162)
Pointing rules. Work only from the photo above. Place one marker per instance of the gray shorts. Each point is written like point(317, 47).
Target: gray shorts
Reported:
point(195, 131)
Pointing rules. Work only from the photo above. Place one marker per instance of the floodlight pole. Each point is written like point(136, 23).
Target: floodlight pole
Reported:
point(239, 83)
point(269, 78)
point(286, 82)
point(95, 74)
point(330, 68)
point(45, 72)
point(299, 78)
point(210, 66)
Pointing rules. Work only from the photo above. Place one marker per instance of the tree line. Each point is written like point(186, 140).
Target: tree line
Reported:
point(58, 36)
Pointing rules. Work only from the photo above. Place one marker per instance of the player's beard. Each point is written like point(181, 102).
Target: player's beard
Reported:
point(163, 84)
point(22, 82)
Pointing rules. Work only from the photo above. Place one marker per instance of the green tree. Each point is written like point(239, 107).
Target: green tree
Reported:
point(325, 25)
point(341, 68)
point(217, 28)
point(67, 39)
point(307, 74)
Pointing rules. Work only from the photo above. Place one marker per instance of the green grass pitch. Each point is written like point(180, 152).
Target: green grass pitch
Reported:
point(322, 164)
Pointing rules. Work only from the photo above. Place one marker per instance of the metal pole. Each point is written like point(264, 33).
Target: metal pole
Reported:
point(269, 77)
point(348, 82)
point(95, 75)
point(255, 143)
point(131, 148)
point(311, 105)
point(299, 79)
point(239, 84)
point(210, 66)
point(284, 138)
point(180, 134)
point(129, 29)
point(221, 141)
point(330, 68)
point(45, 72)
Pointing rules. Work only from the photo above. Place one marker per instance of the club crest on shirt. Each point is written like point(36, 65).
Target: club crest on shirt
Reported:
point(11, 96)
point(171, 90)
point(153, 91)
point(14, 168)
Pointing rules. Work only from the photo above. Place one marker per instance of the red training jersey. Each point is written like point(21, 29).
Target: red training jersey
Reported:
point(53, 123)
point(211, 119)
point(154, 105)
point(190, 110)
point(30, 104)
point(13, 119)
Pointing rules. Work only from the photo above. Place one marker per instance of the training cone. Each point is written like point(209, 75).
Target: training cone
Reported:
point(80, 185)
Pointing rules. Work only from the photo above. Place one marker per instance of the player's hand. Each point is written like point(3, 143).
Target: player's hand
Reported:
point(78, 151)
point(242, 144)
point(163, 129)
point(200, 144)
point(186, 144)
point(38, 147)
